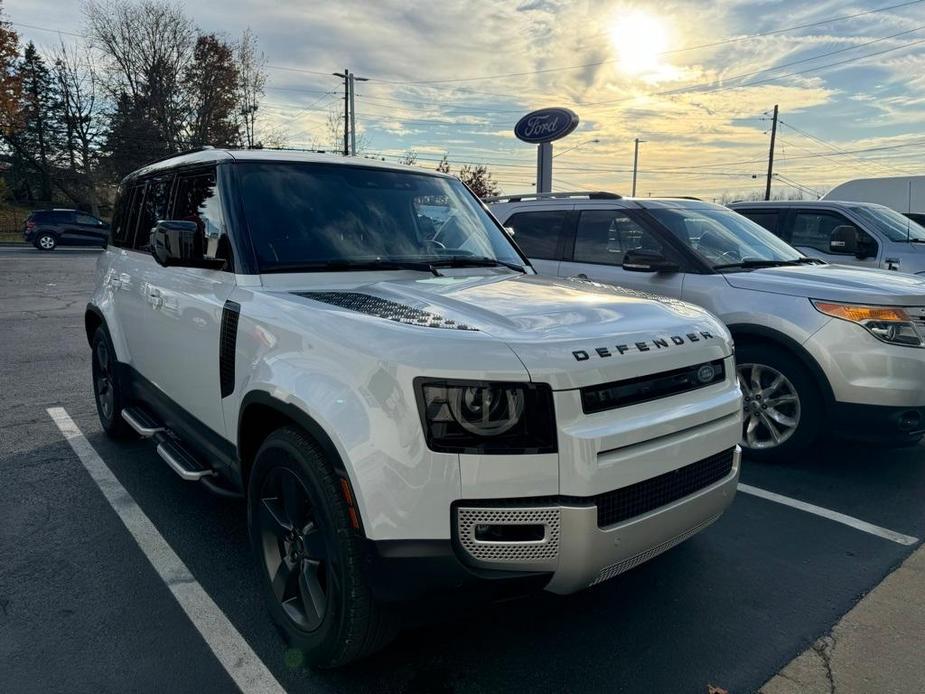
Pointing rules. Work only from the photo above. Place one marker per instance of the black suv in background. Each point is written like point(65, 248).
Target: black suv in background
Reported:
point(48, 229)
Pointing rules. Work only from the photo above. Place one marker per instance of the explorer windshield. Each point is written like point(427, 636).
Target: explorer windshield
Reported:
point(725, 238)
point(328, 216)
point(894, 226)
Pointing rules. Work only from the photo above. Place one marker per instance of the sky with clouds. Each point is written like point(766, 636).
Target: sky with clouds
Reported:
point(689, 78)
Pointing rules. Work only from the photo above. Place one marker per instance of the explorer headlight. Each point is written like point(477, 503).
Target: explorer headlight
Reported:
point(886, 323)
point(486, 417)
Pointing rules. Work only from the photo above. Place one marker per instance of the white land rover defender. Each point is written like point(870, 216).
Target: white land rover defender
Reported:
point(361, 352)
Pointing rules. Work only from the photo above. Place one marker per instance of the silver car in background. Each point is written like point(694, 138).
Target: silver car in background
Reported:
point(820, 348)
point(848, 233)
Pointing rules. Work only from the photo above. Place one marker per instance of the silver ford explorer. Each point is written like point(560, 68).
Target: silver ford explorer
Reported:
point(820, 348)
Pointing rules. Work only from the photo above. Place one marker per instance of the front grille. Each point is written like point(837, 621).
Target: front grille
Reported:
point(632, 391)
point(648, 495)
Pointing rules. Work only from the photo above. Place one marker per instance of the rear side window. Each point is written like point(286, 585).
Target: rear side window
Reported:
point(605, 235)
point(769, 219)
point(537, 233)
point(87, 220)
point(153, 208)
point(125, 217)
point(198, 199)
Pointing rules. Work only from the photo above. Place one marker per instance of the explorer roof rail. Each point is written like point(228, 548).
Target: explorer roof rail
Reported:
point(591, 195)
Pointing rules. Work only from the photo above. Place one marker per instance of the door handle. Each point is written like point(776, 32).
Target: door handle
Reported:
point(115, 283)
point(580, 276)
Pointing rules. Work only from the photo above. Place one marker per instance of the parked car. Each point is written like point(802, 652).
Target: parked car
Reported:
point(819, 347)
point(847, 233)
point(48, 229)
point(405, 404)
point(905, 194)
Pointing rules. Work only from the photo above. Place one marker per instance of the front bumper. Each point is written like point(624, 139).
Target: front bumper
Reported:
point(574, 547)
point(878, 423)
point(865, 371)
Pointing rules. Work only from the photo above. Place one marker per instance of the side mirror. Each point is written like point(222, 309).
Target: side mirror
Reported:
point(174, 243)
point(178, 243)
point(843, 239)
point(648, 261)
point(510, 231)
point(866, 247)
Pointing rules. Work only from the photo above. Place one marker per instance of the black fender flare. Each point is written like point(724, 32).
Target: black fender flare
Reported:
point(297, 415)
point(93, 318)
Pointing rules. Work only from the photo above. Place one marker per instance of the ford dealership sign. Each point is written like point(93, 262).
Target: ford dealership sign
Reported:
point(546, 125)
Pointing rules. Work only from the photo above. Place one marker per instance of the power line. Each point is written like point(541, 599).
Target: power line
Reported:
point(834, 147)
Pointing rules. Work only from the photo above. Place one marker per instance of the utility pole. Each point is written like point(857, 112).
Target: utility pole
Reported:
point(636, 164)
point(353, 112)
point(350, 136)
point(767, 188)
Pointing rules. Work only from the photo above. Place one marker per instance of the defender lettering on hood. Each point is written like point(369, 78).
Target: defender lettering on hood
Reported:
point(643, 346)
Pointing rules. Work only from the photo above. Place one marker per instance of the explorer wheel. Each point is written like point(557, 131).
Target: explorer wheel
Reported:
point(781, 403)
point(107, 388)
point(46, 242)
point(309, 556)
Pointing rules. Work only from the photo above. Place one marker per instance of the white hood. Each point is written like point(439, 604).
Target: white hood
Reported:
point(567, 333)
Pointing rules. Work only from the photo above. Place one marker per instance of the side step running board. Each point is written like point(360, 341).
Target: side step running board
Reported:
point(182, 461)
point(143, 423)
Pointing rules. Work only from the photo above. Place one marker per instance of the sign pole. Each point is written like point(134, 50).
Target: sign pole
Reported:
point(544, 167)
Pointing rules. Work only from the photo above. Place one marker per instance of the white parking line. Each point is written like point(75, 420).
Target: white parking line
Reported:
point(855, 523)
point(232, 651)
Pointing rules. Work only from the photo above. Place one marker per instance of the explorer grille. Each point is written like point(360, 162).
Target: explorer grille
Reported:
point(648, 495)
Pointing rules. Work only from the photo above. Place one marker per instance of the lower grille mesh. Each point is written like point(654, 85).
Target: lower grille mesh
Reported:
point(548, 549)
point(648, 495)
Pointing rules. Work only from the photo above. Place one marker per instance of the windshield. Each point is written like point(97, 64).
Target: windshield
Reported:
point(317, 216)
point(894, 226)
point(725, 238)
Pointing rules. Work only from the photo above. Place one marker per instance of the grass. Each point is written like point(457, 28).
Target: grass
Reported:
point(7, 236)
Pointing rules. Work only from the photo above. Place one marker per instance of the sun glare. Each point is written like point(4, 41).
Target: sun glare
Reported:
point(639, 39)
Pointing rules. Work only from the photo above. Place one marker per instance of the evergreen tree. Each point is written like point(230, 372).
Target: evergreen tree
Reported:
point(212, 81)
point(39, 142)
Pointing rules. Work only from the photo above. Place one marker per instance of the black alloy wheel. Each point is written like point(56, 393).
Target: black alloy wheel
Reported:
point(295, 551)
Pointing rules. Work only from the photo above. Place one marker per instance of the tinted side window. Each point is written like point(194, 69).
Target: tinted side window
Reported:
point(155, 207)
point(198, 199)
point(537, 233)
point(769, 219)
point(125, 217)
point(87, 219)
point(814, 230)
point(605, 235)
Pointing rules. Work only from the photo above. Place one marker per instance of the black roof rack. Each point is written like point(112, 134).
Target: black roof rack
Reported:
point(203, 148)
point(520, 197)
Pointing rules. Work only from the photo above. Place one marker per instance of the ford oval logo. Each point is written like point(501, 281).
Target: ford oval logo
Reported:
point(546, 125)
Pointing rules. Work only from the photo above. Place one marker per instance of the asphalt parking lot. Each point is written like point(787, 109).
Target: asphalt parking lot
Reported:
point(82, 609)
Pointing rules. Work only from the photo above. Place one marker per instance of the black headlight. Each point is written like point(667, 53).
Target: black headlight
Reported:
point(486, 417)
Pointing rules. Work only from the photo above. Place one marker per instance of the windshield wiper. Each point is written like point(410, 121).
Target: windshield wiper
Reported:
point(476, 261)
point(353, 265)
point(760, 262)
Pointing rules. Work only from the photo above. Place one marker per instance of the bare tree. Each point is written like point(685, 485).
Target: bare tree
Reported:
point(252, 79)
point(409, 158)
point(147, 45)
point(79, 89)
point(444, 165)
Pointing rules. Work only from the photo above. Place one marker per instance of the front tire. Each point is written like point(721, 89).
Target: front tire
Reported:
point(783, 410)
point(46, 242)
point(108, 390)
point(309, 556)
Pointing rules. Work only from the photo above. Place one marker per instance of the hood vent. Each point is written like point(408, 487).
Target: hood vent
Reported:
point(383, 308)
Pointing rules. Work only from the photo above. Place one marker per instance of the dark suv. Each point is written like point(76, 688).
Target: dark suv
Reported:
point(48, 229)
